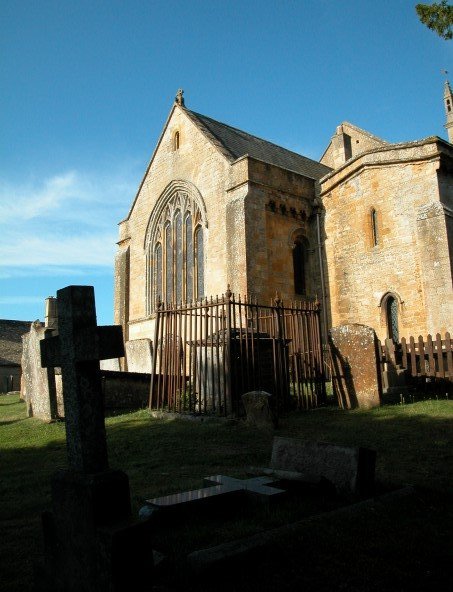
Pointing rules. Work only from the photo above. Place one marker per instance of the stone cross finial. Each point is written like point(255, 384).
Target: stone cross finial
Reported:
point(179, 99)
point(78, 348)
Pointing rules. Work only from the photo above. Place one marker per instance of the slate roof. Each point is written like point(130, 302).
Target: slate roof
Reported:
point(11, 341)
point(236, 143)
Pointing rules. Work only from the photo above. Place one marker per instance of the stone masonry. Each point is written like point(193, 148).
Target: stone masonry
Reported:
point(256, 199)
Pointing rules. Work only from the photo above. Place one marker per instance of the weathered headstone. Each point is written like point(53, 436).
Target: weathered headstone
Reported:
point(39, 389)
point(258, 410)
point(355, 366)
point(139, 356)
point(91, 542)
point(350, 470)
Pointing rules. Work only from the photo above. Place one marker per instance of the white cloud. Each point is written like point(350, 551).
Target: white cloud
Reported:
point(20, 300)
point(27, 202)
point(61, 251)
point(65, 220)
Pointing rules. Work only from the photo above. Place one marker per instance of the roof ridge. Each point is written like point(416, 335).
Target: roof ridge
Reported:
point(215, 139)
point(236, 129)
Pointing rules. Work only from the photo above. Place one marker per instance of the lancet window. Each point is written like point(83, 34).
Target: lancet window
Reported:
point(300, 255)
point(176, 252)
point(374, 227)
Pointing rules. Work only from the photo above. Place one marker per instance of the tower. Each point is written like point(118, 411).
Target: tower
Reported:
point(448, 102)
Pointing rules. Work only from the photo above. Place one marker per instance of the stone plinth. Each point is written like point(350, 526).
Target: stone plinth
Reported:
point(355, 361)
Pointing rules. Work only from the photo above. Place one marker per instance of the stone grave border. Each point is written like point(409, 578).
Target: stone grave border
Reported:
point(212, 558)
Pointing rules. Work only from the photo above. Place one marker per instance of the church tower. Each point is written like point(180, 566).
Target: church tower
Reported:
point(448, 102)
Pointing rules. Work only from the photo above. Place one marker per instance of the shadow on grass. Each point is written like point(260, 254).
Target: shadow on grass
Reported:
point(413, 444)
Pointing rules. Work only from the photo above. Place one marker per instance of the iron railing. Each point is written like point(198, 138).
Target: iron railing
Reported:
point(208, 354)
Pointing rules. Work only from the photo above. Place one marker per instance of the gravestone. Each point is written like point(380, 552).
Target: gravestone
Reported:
point(258, 411)
point(356, 374)
point(39, 387)
point(91, 543)
point(139, 354)
point(349, 469)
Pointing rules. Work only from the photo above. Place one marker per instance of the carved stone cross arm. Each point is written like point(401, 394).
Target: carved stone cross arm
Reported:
point(77, 349)
point(106, 343)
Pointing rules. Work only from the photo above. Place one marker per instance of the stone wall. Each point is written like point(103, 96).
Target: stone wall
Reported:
point(410, 259)
point(10, 378)
point(125, 390)
point(348, 142)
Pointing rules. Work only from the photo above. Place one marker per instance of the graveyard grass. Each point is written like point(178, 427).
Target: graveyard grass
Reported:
point(406, 547)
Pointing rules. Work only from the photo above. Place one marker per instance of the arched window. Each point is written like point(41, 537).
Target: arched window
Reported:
point(390, 304)
point(374, 227)
point(392, 318)
point(176, 251)
point(300, 266)
point(176, 140)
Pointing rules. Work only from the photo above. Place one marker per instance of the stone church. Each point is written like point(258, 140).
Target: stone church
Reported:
point(367, 230)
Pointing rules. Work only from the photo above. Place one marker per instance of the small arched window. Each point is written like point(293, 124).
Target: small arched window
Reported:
point(299, 266)
point(176, 141)
point(374, 227)
point(390, 304)
point(392, 318)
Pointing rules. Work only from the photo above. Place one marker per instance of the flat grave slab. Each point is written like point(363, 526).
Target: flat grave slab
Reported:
point(224, 487)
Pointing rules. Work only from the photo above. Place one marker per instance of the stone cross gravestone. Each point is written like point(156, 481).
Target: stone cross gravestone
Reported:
point(78, 348)
point(91, 542)
point(219, 490)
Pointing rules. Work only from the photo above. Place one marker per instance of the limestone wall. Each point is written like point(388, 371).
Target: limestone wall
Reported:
point(411, 256)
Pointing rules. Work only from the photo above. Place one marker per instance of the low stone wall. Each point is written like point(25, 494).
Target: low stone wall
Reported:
point(10, 378)
point(125, 390)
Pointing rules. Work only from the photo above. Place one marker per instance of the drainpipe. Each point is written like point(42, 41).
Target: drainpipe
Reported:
point(317, 208)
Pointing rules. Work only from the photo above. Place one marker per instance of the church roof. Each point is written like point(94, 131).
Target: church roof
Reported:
point(11, 341)
point(235, 143)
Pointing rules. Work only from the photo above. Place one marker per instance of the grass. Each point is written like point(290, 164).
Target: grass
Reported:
point(406, 546)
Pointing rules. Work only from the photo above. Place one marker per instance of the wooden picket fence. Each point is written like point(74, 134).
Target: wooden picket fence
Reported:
point(430, 358)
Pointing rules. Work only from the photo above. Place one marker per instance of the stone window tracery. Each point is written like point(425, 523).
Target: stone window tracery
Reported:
point(175, 250)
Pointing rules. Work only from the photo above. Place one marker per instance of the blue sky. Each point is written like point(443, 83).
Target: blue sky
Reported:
point(87, 86)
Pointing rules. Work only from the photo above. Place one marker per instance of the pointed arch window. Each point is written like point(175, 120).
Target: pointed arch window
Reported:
point(176, 252)
point(199, 250)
